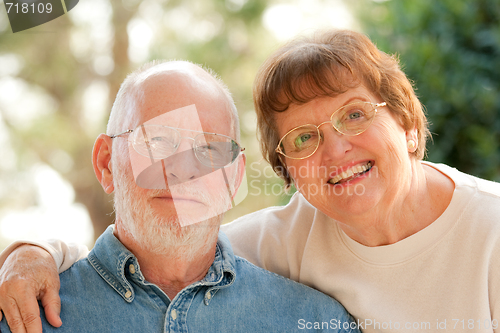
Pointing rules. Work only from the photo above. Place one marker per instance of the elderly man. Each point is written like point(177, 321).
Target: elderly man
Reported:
point(172, 159)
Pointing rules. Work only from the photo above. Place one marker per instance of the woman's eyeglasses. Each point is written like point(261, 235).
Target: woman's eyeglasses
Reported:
point(352, 119)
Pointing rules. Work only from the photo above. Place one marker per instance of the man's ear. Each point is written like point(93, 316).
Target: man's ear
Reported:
point(101, 160)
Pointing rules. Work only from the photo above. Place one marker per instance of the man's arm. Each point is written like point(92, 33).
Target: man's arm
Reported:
point(30, 272)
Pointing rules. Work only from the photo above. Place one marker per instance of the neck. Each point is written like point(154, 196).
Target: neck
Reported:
point(414, 204)
point(170, 271)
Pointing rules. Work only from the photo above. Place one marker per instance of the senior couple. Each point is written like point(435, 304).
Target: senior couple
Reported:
point(415, 248)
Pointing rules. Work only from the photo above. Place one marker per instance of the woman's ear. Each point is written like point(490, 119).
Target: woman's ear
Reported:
point(101, 160)
point(412, 140)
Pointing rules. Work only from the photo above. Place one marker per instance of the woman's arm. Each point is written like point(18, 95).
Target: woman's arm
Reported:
point(29, 271)
point(63, 254)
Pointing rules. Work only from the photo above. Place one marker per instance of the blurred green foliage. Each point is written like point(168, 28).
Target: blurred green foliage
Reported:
point(451, 50)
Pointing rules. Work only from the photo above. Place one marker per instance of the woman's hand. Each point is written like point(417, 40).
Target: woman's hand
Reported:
point(29, 273)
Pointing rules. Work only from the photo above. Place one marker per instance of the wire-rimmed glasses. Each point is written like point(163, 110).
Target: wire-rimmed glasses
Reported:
point(352, 119)
point(159, 142)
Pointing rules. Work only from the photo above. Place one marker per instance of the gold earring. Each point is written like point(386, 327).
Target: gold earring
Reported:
point(412, 146)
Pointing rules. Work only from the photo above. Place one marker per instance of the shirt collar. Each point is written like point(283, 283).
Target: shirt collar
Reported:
point(111, 259)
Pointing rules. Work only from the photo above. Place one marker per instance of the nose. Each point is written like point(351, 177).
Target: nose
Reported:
point(183, 165)
point(334, 145)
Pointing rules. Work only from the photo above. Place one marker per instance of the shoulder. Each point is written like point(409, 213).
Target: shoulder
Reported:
point(275, 236)
point(271, 283)
point(473, 187)
point(476, 207)
point(289, 301)
point(462, 179)
point(278, 304)
point(77, 267)
point(298, 212)
point(80, 276)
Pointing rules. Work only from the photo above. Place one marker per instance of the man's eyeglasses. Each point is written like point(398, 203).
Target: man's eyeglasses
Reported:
point(159, 142)
point(352, 119)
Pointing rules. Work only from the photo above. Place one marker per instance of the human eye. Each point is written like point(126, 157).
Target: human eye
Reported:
point(303, 140)
point(205, 148)
point(158, 139)
point(161, 141)
point(212, 148)
point(354, 118)
point(354, 114)
point(350, 115)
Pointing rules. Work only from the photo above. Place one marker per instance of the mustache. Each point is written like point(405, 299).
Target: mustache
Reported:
point(182, 190)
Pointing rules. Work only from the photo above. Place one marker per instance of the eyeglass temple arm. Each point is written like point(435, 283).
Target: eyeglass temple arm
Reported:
point(116, 135)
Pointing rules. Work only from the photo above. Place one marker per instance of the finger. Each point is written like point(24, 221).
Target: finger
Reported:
point(52, 306)
point(13, 316)
point(30, 312)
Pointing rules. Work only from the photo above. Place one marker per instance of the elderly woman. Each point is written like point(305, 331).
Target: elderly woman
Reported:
point(404, 245)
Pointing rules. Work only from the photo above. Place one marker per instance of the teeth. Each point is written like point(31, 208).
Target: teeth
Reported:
point(350, 172)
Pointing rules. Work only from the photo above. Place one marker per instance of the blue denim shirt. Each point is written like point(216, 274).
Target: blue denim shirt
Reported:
point(106, 292)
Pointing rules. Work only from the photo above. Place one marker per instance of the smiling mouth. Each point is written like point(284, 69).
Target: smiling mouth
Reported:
point(351, 173)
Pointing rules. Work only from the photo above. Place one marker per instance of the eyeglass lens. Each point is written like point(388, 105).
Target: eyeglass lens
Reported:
point(352, 119)
point(159, 142)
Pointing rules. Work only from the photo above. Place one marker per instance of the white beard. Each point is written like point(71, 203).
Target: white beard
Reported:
point(158, 234)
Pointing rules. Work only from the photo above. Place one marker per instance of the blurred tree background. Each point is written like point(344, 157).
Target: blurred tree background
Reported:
point(58, 82)
point(451, 50)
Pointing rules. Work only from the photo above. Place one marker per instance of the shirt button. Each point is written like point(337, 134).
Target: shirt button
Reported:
point(131, 268)
point(128, 294)
point(209, 295)
point(173, 313)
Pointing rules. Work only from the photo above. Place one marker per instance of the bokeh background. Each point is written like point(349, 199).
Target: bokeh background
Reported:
point(58, 81)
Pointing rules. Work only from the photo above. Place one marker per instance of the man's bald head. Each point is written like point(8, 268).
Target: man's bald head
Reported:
point(184, 77)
